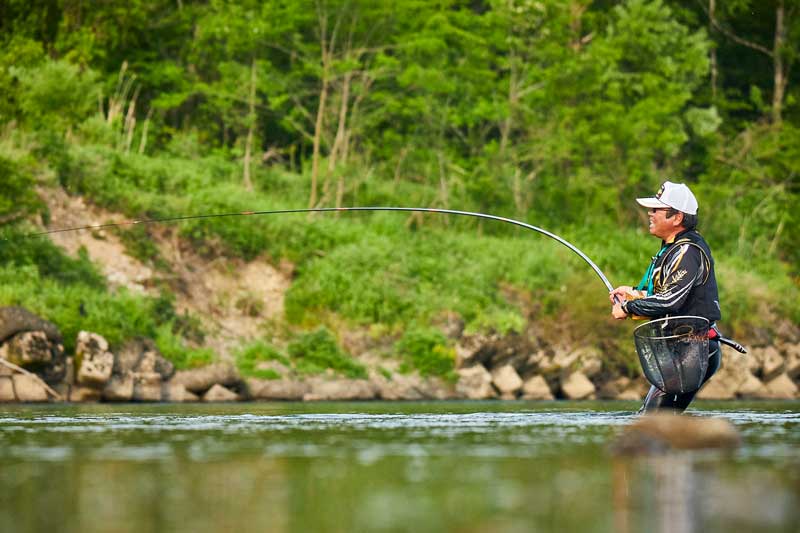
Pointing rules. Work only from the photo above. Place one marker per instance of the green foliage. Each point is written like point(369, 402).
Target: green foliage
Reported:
point(314, 352)
point(17, 194)
point(174, 347)
point(427, 351)
point(248, 358)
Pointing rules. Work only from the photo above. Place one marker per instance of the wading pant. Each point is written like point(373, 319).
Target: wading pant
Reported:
point(657, 399)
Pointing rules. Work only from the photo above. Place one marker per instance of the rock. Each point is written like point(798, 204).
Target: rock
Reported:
point(153, 362)
point(96, 362)
point(28, 388)
point(771, 363)
point(119, 389)
point(28, 349)
point(781, 388)
point(536, 388)
point(146, 378)
point(4, 370)
point(475, 383)
point(175, 392)
point(576, 386)
point(507, 381)
point(590, 361)
point(612, 389)
point(793, 360)
point(631, 394)
point(6, 389)
point(218, 393)
point(144, 391)
point(14, 320)
point(564, 359)
point(752, 387)
point(662, 432)
point(340, 389)
point(276, 389)
point(78, 393)
point(199, 380)
point(726, 382)
point(436, 389)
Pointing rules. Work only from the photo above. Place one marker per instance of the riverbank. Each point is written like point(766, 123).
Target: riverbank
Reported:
point(37, 368)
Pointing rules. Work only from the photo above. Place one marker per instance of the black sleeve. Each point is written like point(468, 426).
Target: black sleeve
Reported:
point(681, 270)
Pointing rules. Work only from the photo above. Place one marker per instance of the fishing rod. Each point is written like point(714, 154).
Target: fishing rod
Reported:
point(561, 240)
point(485, 216)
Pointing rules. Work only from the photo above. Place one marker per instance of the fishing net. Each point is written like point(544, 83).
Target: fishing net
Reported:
point(674, 352)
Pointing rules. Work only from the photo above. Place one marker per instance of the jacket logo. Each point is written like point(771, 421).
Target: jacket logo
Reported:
point(677, 276)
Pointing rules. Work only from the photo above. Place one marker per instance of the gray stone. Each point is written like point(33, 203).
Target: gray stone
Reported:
point(507, 381)
point(199, 380)
point(29, 388)
point(340, 389)
point(96, 362)
point(536, 388)
point(475, 383)
point(276, 389)
point(218, 393)
point(576, 386)
point(7, 389)
point(119, 389)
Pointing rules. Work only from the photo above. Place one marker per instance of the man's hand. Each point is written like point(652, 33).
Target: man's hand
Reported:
point(621, 293)
point(618, 313)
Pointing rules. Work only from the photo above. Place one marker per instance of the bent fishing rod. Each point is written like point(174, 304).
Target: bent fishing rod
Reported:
point(485, 216)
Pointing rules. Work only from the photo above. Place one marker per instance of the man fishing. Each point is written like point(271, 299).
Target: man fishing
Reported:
point(680, 280)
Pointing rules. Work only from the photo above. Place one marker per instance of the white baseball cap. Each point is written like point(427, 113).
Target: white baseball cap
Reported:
point(674, 195)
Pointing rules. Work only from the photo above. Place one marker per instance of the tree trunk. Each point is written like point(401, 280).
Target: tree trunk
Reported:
point(780, 74)
point(339, 145)
point(319, 122)
point(712, 5)
point(248, 148)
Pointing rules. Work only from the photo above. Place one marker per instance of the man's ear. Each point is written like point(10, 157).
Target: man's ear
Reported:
point(677, 220)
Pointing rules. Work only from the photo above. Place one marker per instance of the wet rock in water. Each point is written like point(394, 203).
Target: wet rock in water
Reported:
point(781, 388)
point(218, 393)
point(507, 381)
point(475, 383)
point(276, 389)
point(29, 388)
point(96, 362)
point(536, 388)
point(340, 389)
point(199, 380)
point(576, 386)
point(663, 432)
point(119, 389)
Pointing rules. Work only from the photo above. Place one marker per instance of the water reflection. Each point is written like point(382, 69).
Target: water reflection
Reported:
point(382, 467)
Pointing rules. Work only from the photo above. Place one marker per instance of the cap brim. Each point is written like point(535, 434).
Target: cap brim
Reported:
point(651, 202)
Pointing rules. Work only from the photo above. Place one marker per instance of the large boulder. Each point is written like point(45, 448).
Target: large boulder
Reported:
point(506, 381)
point(119, 389)
point(475, 383)
point(752, 387)
point(80, 394)
point(28, 349)
point(147, 391)
point(95, 361)
point(536, 388)
point(399, 387)
point(175, 392)
point(29, 388)
point(663, 432)
point(276, 389)
point(14, 320)
point(771, 363)
point(199, 380)
point(576, 386)
point(792, 352)
point(340, 389)
point(735, 370)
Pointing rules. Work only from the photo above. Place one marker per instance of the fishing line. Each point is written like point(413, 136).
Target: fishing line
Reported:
point(525, 225)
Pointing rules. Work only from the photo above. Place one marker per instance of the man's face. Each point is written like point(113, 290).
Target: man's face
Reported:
point(661, 226)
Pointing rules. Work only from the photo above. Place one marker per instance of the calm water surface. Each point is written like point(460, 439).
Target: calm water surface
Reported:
point(351, 467)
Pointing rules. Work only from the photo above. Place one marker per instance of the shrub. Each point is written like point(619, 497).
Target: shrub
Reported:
point(314, 352)
point(426, 350)
point(248, 357)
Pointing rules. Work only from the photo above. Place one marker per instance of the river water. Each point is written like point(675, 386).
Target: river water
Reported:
point(353, 467)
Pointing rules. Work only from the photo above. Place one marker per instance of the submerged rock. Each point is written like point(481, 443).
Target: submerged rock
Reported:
point(663, 432)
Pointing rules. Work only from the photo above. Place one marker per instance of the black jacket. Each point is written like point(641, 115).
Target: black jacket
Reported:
point(683, 281)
